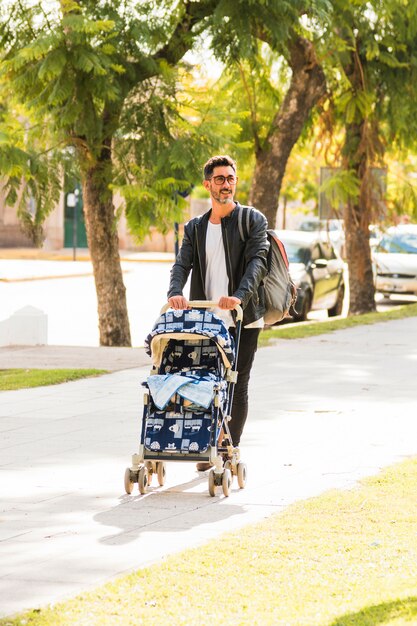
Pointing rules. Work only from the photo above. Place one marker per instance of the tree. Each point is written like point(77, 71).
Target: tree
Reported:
point(287, 42)
point(100, 77)
point(83, 69)
point(307, 87)
point(270, 91)
point(371, 50)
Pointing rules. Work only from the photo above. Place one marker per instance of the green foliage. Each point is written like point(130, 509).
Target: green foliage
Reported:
point(30, 172)
point(94, 72)
point(402, 186)
point(89, 73)
point(237, 24)
point(370, 53)
point(233, 114)
point(341, 187)
point(355, 105)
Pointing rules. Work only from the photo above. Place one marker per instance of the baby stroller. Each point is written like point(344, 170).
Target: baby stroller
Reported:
point(188, 398)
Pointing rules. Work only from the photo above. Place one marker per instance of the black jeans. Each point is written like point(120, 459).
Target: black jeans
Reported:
point(247, 348)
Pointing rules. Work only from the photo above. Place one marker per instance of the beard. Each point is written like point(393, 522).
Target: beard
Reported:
point(223, 196)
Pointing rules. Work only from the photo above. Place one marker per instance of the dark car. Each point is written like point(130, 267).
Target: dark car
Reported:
point(329, 230)
point(317, 271)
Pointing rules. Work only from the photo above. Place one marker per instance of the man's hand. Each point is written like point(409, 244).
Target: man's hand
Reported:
point(228, 302)
point(178, 302)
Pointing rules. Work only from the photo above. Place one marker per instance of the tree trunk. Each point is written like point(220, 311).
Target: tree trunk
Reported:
point(361, 148)
point(103, 243)
point(357, 219)
point(308, 85)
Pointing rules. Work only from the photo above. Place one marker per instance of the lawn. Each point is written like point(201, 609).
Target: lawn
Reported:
point(310, 329)
point(23, 378)
point(346, 558)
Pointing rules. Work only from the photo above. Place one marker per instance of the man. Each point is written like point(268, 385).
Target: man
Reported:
point(227, 270)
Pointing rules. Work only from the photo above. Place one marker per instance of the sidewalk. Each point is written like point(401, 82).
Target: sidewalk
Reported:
point(78, 357)
point(324, 412)
point(81, 254)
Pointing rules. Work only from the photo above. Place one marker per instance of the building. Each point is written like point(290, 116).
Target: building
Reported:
point(65, 228)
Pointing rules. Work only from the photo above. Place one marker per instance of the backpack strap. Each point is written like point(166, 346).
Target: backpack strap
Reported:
point(242, 223)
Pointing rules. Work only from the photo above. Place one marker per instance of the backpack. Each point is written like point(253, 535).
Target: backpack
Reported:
point(280, 291)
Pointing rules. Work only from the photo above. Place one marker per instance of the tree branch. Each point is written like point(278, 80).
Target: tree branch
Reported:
point(252, 108)
point(180, 41)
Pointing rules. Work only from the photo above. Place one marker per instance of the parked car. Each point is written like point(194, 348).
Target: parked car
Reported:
point(317, 271)
point(375, 235)
point(395, 261)
point(331, 229)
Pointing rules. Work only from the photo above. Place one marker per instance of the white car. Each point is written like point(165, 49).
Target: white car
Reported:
point(395, 261)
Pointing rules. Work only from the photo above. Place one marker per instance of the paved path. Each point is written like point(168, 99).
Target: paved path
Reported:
point(324, 412)
point(47, 357)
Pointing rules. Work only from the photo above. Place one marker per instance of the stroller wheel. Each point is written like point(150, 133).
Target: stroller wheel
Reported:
point(143, 479)
point(128, 481)
point(227, 481)
point(242, 473)
point(150, 467)
point(212, 483)
point(160, 469)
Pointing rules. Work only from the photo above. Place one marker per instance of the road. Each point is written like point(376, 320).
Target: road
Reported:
point(70, 299)
point(65, 291)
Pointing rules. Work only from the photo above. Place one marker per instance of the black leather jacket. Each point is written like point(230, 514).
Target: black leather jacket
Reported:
point(245, 261)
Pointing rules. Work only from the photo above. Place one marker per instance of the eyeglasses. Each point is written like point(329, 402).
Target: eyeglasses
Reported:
point(220, 180)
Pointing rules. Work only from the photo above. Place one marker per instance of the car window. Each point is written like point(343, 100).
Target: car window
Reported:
point(310, 226)
point(335, 225)
point(403, 243)
point(297, 253)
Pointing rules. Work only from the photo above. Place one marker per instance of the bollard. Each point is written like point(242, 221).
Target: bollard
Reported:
point(26, 327)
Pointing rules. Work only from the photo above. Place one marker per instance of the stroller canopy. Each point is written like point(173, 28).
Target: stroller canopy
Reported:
point(189, 324)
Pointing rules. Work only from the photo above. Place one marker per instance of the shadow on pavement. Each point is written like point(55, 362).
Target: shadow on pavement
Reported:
point(178, 508)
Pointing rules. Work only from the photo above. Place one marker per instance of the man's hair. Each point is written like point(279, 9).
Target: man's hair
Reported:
point(217, 161)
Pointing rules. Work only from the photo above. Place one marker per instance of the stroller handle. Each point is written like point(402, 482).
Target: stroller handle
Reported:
point(207, 304)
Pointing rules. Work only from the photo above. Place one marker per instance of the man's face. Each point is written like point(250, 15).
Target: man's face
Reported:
point(221, 189)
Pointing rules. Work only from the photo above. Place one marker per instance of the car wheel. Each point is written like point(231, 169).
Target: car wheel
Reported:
point(301, 314)
point(338, 307)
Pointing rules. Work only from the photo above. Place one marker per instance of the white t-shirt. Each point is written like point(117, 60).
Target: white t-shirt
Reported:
point(217, 281)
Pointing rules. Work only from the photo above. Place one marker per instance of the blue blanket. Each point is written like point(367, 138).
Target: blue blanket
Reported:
point(196, 390)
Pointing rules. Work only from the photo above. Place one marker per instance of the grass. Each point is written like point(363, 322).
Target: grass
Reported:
point(23, 378)
point(346, 558)
point(299, 331)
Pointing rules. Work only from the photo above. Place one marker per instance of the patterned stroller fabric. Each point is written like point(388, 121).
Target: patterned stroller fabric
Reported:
point(193, 350)
point(178, 432)
point(189, 322)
